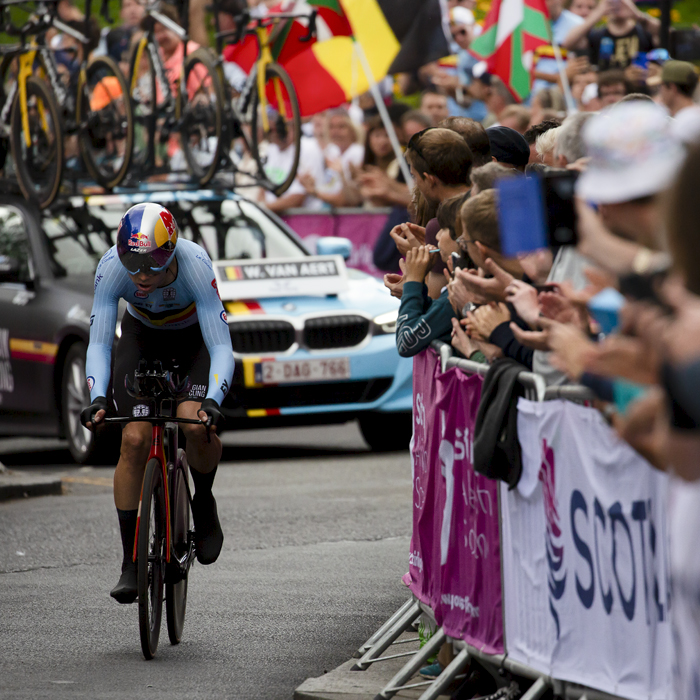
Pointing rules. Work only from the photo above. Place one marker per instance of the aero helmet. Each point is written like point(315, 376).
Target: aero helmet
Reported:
point(146, 238)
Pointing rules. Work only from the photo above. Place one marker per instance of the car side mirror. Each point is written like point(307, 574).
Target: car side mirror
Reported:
point(331, 245)
point(9, 269)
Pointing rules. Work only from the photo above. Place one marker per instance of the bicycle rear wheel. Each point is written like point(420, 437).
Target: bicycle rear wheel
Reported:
point(176, 592)
point(39, 165)
point(201, 115)
point(144, 104)
point(105, 119)
point(277, 150)
point(151, 554)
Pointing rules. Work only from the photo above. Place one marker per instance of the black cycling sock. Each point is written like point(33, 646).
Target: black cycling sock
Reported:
point(127, 529)
point(203, 482)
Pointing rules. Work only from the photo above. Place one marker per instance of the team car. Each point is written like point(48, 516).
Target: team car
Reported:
point(313, 341)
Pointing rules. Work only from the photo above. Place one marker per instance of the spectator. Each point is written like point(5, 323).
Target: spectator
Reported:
point(457, 84)
point(422, 320)
point(678, 82)
point(434, 106)
point(582, 8)
point(570, 146)
point(495, 96)
point(533, 132)
point(547, 103)
point(412, 122)
point(486, 176)
point(563, 22)
point(508, 147)
point(343, 140)
point(545, 146)
point(115, 42)
point(474, 134)
point(590, 102)
point(579, 82)
point(627, 33)
point(516, 117)
point(612, 87)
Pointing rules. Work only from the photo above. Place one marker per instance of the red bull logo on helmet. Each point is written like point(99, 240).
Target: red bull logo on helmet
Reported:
point(138, 242)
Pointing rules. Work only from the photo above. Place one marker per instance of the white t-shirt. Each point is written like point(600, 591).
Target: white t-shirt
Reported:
point(278, 163)
point(332, 182)
point(685, 126)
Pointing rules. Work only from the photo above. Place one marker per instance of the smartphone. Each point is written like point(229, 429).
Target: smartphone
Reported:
point(644, 288)
point(536, 212)
point(549, 287)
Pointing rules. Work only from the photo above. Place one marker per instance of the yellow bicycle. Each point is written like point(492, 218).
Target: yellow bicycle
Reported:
point(30, 119)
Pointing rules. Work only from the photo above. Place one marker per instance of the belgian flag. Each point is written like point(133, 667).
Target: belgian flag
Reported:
point(396, 36)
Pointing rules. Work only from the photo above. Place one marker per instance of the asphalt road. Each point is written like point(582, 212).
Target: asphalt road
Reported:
point(316, 540)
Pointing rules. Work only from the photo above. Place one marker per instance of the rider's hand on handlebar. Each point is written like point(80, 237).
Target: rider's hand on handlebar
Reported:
point(94, 413)
point(210, 413)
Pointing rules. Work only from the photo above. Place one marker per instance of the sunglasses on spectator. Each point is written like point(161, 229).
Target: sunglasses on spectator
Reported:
point(461, 32)
point(413, 145)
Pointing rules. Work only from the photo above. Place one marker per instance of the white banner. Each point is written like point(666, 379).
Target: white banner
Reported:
point(585, 558)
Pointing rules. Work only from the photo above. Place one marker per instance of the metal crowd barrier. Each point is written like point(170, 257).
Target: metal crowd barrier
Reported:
point(407, 616)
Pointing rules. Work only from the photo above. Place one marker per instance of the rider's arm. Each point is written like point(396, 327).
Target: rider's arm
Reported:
point(109, 279)
point(198, 274)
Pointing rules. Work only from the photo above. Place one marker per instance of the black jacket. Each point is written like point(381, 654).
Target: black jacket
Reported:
point(496, 447)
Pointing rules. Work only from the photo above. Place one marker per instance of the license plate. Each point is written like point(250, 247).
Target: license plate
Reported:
point(301, 371)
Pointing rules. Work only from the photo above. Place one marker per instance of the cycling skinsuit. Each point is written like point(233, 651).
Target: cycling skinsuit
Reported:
point(183, 324)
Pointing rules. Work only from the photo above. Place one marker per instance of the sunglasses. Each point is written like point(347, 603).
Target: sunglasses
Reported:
point(460, 32)
point(413, 145)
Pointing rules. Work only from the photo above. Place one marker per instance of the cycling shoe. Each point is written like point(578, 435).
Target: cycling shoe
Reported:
point(126, 590)
point(208, 537)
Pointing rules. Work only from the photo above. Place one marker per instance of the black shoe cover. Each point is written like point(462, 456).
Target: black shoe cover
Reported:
point(126, 590)
point(208, 537)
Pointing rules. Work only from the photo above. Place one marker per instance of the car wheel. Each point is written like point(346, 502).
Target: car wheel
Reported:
point(75, 396)
point(386, 432)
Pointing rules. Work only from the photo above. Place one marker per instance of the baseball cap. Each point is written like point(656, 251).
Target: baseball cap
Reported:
point(632, 153)
point(508, 146)
point(679, 72)
point(659, 56)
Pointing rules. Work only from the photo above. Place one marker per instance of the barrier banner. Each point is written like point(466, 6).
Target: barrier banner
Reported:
point(468, 603)
point(454, 564)
point(361, 227)
point(421, 571)
point(585, 558)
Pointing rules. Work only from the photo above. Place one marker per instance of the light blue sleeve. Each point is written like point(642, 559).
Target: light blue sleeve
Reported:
point(109, 282)
point(198, 274)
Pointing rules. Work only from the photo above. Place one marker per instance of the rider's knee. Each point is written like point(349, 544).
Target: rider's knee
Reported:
point(135, 442)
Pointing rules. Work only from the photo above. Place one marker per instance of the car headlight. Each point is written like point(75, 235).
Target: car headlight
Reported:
point(386, 323)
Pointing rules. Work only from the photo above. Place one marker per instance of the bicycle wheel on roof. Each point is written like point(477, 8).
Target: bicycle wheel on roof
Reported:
point(37, 151)
point(105, 120)
point(276, 130)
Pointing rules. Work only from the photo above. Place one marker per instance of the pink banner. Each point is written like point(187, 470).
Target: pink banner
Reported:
point(454, 564)
point(362, 228)
point(420, 576)
point(468, 603)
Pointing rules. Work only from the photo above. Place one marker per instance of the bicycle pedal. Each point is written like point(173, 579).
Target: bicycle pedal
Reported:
point(173, 574)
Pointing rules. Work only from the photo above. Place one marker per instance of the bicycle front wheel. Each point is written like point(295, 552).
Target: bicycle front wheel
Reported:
point(277, 141)
point(151, 555)
point(39, 163)
point(201, 115)
point(106, 122)
point(176, 592)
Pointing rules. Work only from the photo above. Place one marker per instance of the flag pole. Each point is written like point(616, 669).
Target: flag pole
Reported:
point(568, 97)
point(386, 119)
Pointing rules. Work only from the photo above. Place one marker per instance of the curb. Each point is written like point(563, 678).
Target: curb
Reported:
point(22, 485)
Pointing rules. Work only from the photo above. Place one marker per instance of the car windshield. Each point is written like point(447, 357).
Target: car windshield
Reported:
point(226, 229)
point(76, 242)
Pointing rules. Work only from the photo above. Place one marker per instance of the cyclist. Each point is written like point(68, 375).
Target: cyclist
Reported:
point(174, 315)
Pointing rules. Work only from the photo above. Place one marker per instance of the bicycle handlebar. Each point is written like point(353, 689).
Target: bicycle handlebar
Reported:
point(245, 24)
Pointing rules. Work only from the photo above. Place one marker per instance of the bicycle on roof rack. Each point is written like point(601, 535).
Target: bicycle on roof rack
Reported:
point(43, 115)
point(194, 108)
point(164, 543)
point(265, 114)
